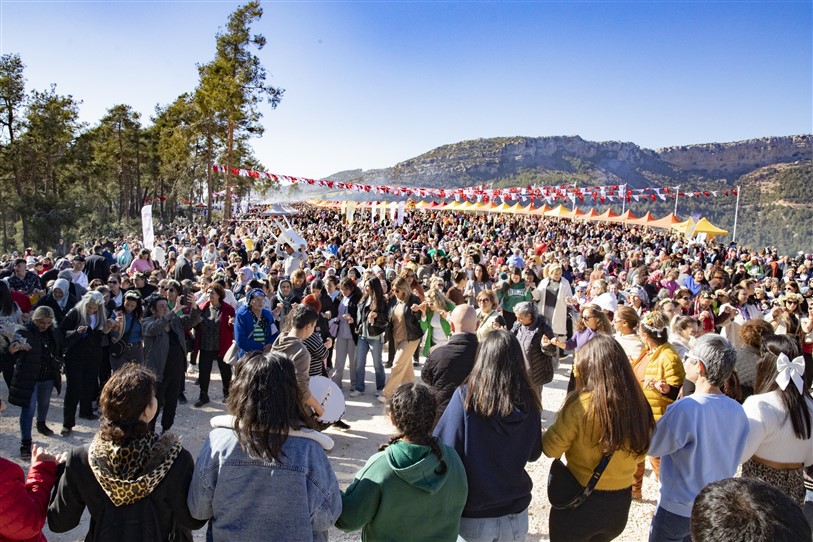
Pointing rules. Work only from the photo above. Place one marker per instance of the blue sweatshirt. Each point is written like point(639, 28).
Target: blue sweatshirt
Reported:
point(494, 452)
point(699, 440)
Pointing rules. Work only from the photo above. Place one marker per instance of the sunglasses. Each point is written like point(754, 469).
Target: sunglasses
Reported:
point(112, 282)
point(484, 300)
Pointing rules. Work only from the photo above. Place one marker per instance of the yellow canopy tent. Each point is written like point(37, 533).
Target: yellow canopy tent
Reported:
point(469, 206)
point(711, 231)
point(422, 205)
point(684, 227)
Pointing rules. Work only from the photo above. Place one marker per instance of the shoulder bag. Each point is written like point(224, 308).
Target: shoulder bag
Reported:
point(564, 491)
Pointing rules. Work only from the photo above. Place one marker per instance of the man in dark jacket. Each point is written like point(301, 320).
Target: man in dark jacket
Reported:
point(448, 365)
point(183, 267)
point(96, 266)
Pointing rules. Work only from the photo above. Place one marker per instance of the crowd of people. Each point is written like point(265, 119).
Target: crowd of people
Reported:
point(694, 357)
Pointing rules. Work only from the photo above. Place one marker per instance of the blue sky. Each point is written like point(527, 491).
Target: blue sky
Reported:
point(369, 84)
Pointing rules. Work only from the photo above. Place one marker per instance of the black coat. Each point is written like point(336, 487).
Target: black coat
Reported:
point(411, 319)
point(77, 346)
point(27, 364)
point(50, 301)
point(380, 323)
point(184, 270)
point(448, 366)
point(77, 487)
point(97, 267)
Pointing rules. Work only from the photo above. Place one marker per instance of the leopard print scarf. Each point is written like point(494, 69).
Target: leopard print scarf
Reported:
point(129, 473)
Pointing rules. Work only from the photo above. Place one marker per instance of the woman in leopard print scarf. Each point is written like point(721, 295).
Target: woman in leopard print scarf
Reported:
point(126, 463)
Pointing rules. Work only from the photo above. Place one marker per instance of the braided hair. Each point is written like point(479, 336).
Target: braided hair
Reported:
point(412, 409)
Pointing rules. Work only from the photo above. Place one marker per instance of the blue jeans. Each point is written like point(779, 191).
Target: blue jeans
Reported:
point(669, 527)
point(808, 508)
point(375, 346)
point(40, 401)
point(512, 527)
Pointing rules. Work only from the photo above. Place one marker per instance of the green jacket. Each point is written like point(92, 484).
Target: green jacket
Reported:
point(511, 294)
point(399, 496)
point(426, 325)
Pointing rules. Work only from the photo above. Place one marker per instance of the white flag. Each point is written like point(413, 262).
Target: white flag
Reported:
point(146, 227)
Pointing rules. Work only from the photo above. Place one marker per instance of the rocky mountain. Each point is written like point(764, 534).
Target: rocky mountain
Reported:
point(544, 160)
point(774, 174)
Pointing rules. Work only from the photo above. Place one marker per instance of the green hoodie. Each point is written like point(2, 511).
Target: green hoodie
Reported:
point(398, 495)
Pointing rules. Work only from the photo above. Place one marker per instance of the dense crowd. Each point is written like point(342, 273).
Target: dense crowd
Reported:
point(693, 355)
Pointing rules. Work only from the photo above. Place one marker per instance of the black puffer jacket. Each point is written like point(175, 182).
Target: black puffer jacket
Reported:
point(538, 359)
point(28, 365)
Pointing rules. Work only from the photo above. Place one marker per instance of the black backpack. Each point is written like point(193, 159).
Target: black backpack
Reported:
point(135, 522)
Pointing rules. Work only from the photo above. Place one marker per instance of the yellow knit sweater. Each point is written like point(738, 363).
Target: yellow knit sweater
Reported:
point(570, 435)
point(663, 363)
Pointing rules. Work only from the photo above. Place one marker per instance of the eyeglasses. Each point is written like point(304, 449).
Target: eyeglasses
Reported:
point(694, 359)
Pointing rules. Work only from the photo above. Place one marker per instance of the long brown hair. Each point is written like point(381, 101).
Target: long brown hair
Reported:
point(266, 402)
point(499, 381)
point(618, 409)
point(604, 325)
point(125, 396)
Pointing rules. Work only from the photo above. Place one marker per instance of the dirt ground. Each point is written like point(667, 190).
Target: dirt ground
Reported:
point(369, 428)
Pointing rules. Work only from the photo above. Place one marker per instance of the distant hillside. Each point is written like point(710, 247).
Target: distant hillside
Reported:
point(775, 174)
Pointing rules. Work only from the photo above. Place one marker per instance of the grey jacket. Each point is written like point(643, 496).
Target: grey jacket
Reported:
point(156, 339)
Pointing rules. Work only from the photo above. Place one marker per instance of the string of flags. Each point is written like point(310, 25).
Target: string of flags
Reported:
point(484, 193)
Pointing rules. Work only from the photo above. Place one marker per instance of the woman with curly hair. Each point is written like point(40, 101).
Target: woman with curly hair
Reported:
point(126, 463)
point(752, 334)
point(265, 453)
point(493, 422)
point(416, 485)
point(607, 415)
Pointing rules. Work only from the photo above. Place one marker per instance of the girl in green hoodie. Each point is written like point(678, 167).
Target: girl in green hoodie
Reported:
point(417, 485)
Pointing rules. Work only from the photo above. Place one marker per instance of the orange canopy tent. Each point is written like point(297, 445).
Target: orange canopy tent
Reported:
point(606, 216)
point(541, 210)
point(589, 215)
point(624, 217)
point(666, 222)
point(645, 220)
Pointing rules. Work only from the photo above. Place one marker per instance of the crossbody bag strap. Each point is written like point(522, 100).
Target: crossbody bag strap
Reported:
point(127, 331)
point(591, 483)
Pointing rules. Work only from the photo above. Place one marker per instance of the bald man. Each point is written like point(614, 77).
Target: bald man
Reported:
point(448, 365)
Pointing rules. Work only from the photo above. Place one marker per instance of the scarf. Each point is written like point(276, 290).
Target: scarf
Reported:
point(131, 472)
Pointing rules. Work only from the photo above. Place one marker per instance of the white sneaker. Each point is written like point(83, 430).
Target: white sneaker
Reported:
point(382, 399)
point(354, 393)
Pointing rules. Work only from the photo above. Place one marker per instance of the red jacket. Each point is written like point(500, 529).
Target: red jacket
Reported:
point(23, 504)
point(226, 330)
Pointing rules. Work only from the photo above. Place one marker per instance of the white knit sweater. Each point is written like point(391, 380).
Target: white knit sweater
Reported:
point(771, 433)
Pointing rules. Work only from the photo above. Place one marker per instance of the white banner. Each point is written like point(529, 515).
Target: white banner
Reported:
point(146, 227)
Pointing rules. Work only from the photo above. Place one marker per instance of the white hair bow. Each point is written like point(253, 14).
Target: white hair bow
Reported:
point(790, 370)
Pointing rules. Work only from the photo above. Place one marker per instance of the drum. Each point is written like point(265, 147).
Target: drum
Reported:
point(330, 396)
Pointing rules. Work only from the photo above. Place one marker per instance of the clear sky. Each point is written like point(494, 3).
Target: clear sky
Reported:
point(368, 83)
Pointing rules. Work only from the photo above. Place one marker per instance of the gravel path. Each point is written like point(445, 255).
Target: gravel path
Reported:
point(369, 428)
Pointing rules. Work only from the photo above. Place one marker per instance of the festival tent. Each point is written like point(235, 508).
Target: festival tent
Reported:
point(558, 212)
point(665, 222)
point(575, 213)
point(502, 208)
point(527, 210)
point(422, 205)
point(684, 227)
point(645, 220)
point(589, 215)
point(624, 217)
point(485, 207)
point(711, 231)
point(606, 216)
point(541, 210)
point(469, 206)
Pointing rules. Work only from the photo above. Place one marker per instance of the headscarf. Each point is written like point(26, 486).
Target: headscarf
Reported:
point(63, 286)
point(285, 300)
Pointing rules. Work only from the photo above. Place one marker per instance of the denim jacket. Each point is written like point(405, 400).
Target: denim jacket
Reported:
point(254, 499)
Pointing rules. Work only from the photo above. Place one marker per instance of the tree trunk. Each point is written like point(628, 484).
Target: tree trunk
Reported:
point(227, 198)
point(209, 179)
